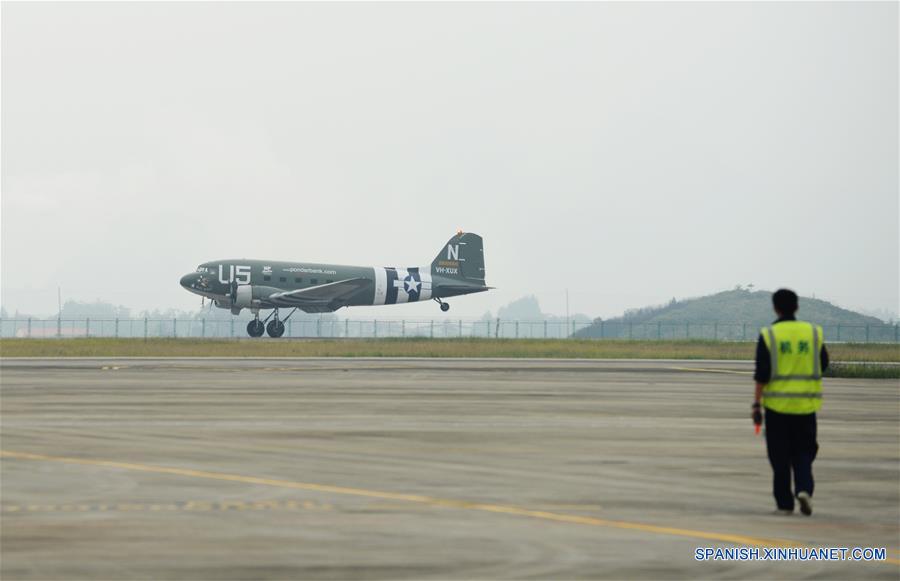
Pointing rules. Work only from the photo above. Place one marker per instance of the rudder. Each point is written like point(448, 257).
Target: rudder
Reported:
point(462, 257)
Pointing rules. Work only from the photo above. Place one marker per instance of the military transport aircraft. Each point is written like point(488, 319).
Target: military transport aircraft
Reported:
point(323, 288)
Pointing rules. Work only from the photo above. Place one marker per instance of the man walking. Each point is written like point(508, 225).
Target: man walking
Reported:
point(790, 359)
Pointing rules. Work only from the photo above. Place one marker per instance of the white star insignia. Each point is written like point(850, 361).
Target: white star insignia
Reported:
point(411, 285)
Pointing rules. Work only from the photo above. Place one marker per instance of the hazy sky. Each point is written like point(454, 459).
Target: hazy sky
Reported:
point(628, 152)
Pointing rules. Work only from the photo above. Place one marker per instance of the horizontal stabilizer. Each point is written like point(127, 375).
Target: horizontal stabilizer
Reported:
point(467, 288)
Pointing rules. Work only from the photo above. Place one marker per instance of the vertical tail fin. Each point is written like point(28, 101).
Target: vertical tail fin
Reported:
point(462, 257)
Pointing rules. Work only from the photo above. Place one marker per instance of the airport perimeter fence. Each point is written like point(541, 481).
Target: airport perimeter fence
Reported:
point(435, 328)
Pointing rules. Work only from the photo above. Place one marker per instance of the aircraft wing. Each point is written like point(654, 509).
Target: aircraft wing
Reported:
point(323, 298)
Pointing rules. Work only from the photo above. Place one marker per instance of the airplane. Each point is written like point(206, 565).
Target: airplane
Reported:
point(323, 288)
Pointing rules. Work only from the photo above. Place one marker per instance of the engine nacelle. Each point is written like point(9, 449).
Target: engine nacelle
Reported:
point(243, 297)
point(250, 296)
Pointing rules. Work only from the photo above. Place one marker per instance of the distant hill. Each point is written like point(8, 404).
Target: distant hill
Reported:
point(724, 314)
point(523, 318)
point(528, 308)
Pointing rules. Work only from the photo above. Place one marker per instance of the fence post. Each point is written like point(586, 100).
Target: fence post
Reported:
point(432, 328)
point(203, 327)
point(346, 327)
point(403, 328)
point(318, 328)
point(630, 330)
point(375, 328)
point(174, 327)
point(896, 335)
point(517, 329)
point(59, 326)
point(839, 332)
point(87, 327)
point(867, 332)
point(716, 331)
point(29, 327)
point(460, 327)
point(687, 330)
point(744, 332)
point(145, 328)
point(601, 328)
point(658, 330)
point(117, 327)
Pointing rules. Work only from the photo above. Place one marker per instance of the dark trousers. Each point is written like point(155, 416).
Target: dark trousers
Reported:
point(791, 443)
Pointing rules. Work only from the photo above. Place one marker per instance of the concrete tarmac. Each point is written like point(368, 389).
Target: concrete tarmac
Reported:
point(412, 468)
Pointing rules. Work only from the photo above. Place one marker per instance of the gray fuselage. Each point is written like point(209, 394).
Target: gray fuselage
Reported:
point(216, 280)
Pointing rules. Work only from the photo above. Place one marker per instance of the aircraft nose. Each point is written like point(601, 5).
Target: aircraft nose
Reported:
point(188, 279)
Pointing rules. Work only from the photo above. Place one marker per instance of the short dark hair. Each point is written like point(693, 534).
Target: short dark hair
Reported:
point(785, 301)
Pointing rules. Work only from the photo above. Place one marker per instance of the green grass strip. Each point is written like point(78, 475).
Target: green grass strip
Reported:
point(863, 371)
point(419, 347)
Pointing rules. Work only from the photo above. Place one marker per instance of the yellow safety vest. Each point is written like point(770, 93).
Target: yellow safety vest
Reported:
point(795, 386)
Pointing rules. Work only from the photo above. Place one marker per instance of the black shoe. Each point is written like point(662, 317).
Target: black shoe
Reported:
point(805, 501)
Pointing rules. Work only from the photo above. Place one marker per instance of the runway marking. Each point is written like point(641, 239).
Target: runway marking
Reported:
point(401, 506)
point(182, 506)
point(254, 369)
point(706, 370)
point(422, 499)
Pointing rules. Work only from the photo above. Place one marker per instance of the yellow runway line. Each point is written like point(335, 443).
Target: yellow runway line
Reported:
point(421, 499)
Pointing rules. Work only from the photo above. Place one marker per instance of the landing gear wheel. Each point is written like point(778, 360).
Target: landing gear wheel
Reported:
point(255, 328)
point(445, 307)
point(275, 328)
